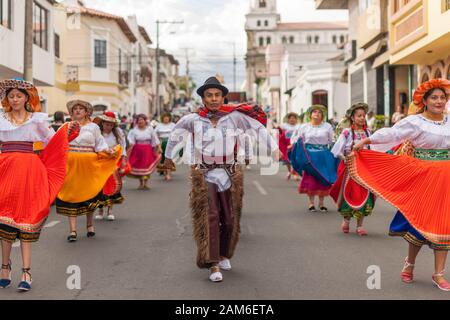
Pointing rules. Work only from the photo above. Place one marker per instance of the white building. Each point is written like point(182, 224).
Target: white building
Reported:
point(264, 28)
point(12, 35)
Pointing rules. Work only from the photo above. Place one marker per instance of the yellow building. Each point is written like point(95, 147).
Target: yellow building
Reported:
point(419, 34)
point(94, 52)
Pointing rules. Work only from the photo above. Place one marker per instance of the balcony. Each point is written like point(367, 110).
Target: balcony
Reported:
point(332, 4)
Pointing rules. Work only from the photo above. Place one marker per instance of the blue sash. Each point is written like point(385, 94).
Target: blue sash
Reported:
point(316, 160)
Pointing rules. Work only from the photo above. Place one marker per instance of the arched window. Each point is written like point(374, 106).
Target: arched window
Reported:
point(291, 39)
point(268, 40)
point(258, 23)
point(334, 39)
point(425, 78)
point(438, 74)
point(261, 41)
point(284, 40)
point(316, 39)
point(342, 39)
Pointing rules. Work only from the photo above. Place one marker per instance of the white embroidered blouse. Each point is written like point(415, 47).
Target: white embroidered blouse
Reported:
point(90, 136)
point(343, 146)
point(111, 141)
point(321, 134)
point(148, 134)
point(37, 128)
point(164, 130)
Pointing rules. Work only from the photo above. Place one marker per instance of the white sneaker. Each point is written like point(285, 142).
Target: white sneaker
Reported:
point(111, 217)
point(216, 277)
point(225, 265)
point(98, 217)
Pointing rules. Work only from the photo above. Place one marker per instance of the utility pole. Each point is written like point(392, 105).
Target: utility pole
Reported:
point(188, 88)
point(28, 44)
point(158, 22)
point(234, 65)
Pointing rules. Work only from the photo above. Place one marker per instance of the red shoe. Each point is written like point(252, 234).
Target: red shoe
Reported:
point(361, 232)
point(407, 277)
point(345, 226)
point(444, 285)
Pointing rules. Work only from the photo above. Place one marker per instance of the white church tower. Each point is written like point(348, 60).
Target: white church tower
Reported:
point(261, 24)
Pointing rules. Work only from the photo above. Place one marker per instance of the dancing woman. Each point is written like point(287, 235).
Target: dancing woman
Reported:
point(163, 131)
point(29, 182)
point(414, 186)
point(353, 201)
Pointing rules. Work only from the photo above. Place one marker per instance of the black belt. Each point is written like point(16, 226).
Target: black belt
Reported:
point(229, 168)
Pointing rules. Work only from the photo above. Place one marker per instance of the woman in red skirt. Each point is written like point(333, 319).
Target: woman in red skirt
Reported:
point(29, 182)
point(144, 151)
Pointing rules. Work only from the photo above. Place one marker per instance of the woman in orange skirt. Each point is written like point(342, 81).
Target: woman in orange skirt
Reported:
point(416, 187)
point(89, 165)
point(29, 182)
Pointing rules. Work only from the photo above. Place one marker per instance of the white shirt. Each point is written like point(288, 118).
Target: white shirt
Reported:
point(90, 136)
point(321, 134)
point(343, 145)
point(35, 129)
point(289, 129)
point(218, 142)
point(421, 132)
point(111, 140)
point(148, 134)
point(164, 130)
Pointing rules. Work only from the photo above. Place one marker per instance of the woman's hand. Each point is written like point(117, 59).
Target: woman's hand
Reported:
point(361, 144)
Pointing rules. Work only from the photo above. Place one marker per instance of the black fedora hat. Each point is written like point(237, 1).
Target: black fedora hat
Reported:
point(212, 82)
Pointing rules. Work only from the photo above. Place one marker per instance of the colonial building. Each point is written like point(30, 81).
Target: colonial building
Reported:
point(12, 33)
point(264, 28)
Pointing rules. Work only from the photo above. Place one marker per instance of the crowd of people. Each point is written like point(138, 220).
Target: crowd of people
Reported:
point(78, 164)
point(360, 165)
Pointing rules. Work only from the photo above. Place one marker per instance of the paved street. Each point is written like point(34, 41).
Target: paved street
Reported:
point(284, 253)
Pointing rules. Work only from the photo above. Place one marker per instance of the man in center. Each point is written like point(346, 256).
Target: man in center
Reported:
point(217, 131)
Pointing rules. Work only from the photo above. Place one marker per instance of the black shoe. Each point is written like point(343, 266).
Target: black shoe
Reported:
point(323, 209)
point(72, 237)
point(312, 209)
point(90, 234)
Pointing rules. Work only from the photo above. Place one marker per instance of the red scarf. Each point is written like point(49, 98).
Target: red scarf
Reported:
point(254, 112)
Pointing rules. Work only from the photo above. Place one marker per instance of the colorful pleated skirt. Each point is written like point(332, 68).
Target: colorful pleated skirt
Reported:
point(352, 200)
point(143, 160)
point(87, 173)
point(29, 184)
point(417, 188)
point(111, 193)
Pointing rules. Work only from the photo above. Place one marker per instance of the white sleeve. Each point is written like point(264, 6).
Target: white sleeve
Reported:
point(395, 135)
point(183, 127)
point(155, 139)
point(100, 142)
point(46, 132)
point(339, 146)
point(255, 129)
point(123, 142)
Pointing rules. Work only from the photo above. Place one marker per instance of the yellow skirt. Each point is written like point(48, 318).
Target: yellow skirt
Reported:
point(86, 174)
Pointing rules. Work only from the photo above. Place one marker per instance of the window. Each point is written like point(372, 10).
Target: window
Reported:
point(258, 23)
point(291, 39)
point(5, 13)
point(284, 40)
point(446, 5)
point(316, 39)
point(57, 46)
point(342, 39)
point(268, 40)
point(140, 55)
point(425, 78)
point(438, 74)
point(40, 26)
point(396, 5)
point(334, 39)
point(120, 61)
point(100, 54)
point(266, 23)
point(309, 39)
point(262, 3)
point(261, 41)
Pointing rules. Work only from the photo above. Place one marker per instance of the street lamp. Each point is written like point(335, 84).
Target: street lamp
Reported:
point(158, 22)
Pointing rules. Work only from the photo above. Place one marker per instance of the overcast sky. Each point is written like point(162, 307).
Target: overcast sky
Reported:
point(210, 27)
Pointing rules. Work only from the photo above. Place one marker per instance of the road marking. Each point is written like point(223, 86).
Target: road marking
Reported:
point(260, 188)
point(52, 224)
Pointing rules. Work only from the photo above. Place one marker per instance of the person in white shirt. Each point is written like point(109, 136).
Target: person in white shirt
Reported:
point(287, 130)
point(217, 178)
point(109, 126)
point(163, 131)
point(144, 151)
